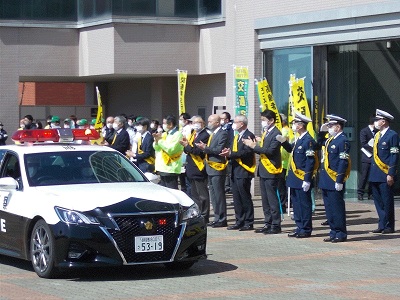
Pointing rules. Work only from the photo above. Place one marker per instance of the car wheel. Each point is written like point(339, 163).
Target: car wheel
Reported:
point(179, 265)
point(42, 250)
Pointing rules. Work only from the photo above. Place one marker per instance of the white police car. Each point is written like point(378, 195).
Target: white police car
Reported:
point(67, 205)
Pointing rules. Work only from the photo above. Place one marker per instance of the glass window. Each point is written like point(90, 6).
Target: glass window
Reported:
point(135, 7)
point(11, 9)
point(280, 64)
point(186, 8)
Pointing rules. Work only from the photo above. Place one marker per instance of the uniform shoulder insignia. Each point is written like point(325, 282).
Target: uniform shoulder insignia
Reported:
point(344, 155)
point(310, 152)
point(394, 150)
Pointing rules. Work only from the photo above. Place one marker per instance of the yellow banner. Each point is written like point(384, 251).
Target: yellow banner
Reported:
point(182, 78)
point(300, 102)
point(271, 105)
point(291, 106)
point(262, 96)
point(99, 118)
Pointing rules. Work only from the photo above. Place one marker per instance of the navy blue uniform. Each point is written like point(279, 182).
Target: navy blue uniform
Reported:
point(338, 150)
point(366, 134)
point(387, 150)
point(303, 156)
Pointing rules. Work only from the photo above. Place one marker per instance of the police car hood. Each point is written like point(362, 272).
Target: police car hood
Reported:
point(84, 197)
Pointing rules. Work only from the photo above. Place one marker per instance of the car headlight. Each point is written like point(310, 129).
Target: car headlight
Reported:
point(191, 212)
point(74, 217)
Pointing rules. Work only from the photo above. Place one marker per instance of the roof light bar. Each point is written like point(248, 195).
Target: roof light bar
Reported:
point(55, 135)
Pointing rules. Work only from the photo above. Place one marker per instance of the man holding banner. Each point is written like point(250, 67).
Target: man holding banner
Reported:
point(269, 171)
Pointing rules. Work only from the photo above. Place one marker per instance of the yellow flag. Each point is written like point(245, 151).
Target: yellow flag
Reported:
point(182, 78)
point(300, 102)
point(99, 118)
point(291, 106)
point(262, 96)
point(271, 105)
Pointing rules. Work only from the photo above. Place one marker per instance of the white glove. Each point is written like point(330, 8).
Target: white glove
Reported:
point(338, 186)
point(306, 186)
point(371, 142)
point(280, 138)
point(324, 127)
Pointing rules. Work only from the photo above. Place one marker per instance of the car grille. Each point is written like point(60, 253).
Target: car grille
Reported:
point(131, 226)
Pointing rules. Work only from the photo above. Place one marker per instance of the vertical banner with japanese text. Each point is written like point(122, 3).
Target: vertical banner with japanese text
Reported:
point(291, 105)
point(300, 102)
point(267, 100)
point(241, 89)
point(99, 117)
point(182, 78)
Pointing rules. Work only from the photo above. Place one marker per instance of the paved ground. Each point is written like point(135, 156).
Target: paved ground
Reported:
point(243, 265)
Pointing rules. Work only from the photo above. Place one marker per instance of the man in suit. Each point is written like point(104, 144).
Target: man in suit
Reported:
point(243, 162)
point(168, 152)
point(120, 140)
point(269, 170)
point(144, 155)
point(216, 169)
point(383, 172)
point(195, 167)
point(367, 141)
point(108, 130)
point(335, 169)
point(301, 171)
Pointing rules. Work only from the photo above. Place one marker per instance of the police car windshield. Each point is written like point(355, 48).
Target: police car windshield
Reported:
point(79, 167)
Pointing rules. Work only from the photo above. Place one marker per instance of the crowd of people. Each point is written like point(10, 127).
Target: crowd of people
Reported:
point(207, 159)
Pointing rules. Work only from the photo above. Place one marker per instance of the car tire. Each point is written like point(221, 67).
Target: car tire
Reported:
point(42, 250)
point(179, 265)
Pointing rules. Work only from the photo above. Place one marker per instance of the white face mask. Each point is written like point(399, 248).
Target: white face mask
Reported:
point(164, 127)
point(66, 126)
point(332, 131)
point(130, 123)
point(181, 123)
point(152, 126)
point(211, 126)
point(139, 128)
point(264, 124)
point(109, 125)
point(159, 130)
point(222, 122)
point(115, 126)
point(377, 125)
point(294, 128)
point(196, 127)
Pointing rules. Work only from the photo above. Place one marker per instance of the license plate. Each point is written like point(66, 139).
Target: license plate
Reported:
point(150, 243)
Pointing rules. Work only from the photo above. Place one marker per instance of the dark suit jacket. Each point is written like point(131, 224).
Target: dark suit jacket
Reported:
point(148, 151)
point(109, 134)
point(245, 153)
point(122, 142)
point(192, 171)
point(388, 152)
point(272, 149)
point(219, 141)
point(365, 136)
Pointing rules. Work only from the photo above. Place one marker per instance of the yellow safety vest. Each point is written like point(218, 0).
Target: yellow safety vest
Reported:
point(251, 169)
point(199, 162)
point(214, 164)
point(266, 162)
point(333, 174)
point(150, 160)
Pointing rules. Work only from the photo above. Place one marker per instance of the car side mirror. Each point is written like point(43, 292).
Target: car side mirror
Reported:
point(8, 183)
point(152, 177)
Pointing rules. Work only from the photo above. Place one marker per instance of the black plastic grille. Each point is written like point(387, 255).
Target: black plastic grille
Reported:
point(131, 226)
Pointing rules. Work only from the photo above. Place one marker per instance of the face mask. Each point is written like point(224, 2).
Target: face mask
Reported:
point(152, 126)
point(1, 127)
point(196, 127)
point(159, 130)
point(115, 126)
point(130, 123)
point(264, 124)
point(181, 123)
point(377, 126)
point(332, 131)
point(52, 125)
point(109, 125)
point(294, 128)
point(66, 126)
point(139, 128)
point(211, 126)
point(164, 127)
point(22, 126)
point(222, 122)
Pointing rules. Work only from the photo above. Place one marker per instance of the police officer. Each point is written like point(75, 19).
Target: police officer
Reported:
point(301, 169)
point(383, 171)
point(335, 170)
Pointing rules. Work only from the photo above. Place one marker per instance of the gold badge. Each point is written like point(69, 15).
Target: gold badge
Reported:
point(148, 225)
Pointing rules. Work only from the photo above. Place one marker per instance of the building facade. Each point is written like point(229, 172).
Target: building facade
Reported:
point(347, 51)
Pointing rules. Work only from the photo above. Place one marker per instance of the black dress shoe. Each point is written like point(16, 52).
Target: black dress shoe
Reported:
point(377, 230)
point(339, 240)
point(273, 231)
point(234, 227)
point(325, 223)
point(246, 228)
point(211, 224)
point(387, 230)
point(292, 234)
point(328, 239)
point(219, 224)
point(263, 229)
point(303, 235)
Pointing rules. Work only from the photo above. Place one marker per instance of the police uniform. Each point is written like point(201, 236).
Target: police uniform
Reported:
point(301, 169)
point(335, 170)
point(384, 162)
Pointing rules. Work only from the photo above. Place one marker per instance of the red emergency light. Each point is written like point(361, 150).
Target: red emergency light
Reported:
point(55, 135)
